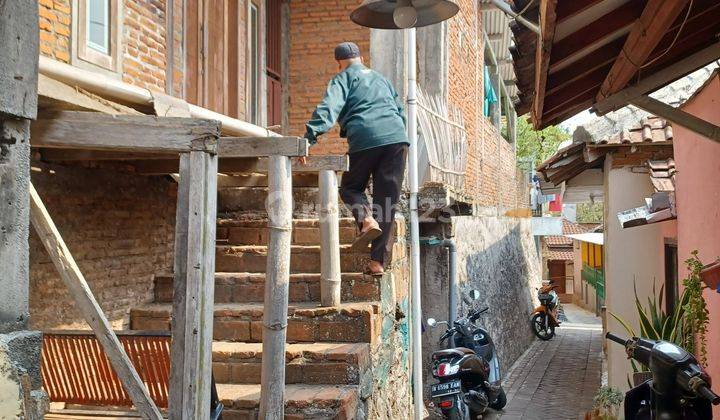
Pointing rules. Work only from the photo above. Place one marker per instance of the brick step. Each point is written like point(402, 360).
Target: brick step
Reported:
point(312, 364)
point(242, 402)
point(250, 287)
point(255, 232)
point(239, 199)
point(354, 322)
point(304, 259)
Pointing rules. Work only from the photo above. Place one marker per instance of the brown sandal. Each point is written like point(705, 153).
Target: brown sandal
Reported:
point(361, 242)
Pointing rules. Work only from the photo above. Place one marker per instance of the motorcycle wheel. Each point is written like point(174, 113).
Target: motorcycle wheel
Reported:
point(500, 401)
point(538, 326)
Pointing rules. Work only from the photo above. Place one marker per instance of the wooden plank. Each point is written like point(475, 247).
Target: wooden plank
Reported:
point(177, 348)
point(568, 9)
point(262, 146)
point(194, 287)
point(243, 165)
point(658, 79)
point(93, 130)
point(548, 19)
point(647, 32)
point(88, 306)
point(678, 116)
point(329, 240)
point(277, 281)
point(72, 155)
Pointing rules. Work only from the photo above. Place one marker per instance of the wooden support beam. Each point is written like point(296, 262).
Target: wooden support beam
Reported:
point(57, 96)
point(89, 308)
point(277, 285)
point(542, 55)
point(658, 79)
point(262, 146)
point(244, 165)
point(146, 133)
point(191, 354)
point(678, 116)
point(329, 240)
point(644, 37)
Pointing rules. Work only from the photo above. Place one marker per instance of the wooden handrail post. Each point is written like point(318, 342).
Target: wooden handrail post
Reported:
point(277, 284)
point(194, 288)
point(329, 240)
point(89, 307)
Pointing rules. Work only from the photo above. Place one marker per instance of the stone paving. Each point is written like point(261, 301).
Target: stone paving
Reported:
point(557, 379)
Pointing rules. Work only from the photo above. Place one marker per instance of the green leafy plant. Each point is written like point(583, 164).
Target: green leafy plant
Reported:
point(606, 404)
point(695, 308)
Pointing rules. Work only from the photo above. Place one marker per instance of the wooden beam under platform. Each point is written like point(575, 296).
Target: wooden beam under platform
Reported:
point(243, 165)
point(131, 133)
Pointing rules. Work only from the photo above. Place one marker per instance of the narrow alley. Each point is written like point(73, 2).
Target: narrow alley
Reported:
point(557, 379)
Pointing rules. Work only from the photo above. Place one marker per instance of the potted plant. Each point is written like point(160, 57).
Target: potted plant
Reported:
point(606, 404)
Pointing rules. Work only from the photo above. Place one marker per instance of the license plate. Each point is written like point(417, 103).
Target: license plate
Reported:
point(445, 388)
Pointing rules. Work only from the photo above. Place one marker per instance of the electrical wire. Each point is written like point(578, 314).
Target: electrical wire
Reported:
point(525, 9)
point(677, 35)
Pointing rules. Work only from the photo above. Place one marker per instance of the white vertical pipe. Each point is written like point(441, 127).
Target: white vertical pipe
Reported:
point(416, 319)
point(329, 240)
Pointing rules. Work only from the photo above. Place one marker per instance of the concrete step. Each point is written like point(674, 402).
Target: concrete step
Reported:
point(304, 259)
point(320, 402)
point(354, 322)
point(250, 287)
point(312, 363)
point(255, 232)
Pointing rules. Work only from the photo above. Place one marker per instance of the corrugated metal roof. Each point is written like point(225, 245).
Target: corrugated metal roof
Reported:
point(496, 25)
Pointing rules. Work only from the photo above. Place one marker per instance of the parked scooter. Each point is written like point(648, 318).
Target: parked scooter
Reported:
point(545, 317)
point(469, 374)
point(679, 388)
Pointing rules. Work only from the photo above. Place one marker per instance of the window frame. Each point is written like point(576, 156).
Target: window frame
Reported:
point(254, 73)
point(85, 56)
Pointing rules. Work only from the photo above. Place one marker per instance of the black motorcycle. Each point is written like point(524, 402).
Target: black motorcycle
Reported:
point(469, 374)
point(679, 387)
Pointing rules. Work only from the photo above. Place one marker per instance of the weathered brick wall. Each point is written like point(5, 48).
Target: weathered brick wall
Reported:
point(315, 28)
point(55, 22)
point(144, 43)
point(491, 171)
point(120, 229)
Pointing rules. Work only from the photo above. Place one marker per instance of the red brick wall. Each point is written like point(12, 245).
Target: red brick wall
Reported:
point(316, 26)
point(55, 22)
point(491, 172)
point(120, 229)
point(144, 43)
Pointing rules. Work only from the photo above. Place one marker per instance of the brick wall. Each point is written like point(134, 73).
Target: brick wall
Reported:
point(55, 22)
point(144, 43)
point(120, 229)
point(144, 39)
point(315, 28)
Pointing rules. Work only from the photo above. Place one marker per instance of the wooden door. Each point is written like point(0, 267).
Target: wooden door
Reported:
point(556, 270)
point(273, 48)
point(214, 59)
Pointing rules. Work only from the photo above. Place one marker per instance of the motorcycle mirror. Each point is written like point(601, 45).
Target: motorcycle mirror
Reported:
point(474, 294)
point(431, 322)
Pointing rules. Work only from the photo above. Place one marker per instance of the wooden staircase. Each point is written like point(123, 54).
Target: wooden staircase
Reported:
point(328, 358)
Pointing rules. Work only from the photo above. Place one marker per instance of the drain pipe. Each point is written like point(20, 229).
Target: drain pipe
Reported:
point(453, 278)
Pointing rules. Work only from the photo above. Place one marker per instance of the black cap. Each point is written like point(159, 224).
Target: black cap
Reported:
point(346, 50)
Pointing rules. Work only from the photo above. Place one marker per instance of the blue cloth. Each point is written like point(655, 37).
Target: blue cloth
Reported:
point(365, 105)
point(490, 96)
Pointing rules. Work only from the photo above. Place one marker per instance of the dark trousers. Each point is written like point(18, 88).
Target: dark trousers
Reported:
point(386, 165)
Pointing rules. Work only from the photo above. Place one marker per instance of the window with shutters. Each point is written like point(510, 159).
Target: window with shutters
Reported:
point(273, 30)
point(253, 111)
point(96, 24)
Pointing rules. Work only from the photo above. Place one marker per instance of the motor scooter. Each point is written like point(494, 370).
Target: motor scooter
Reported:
point(468, 370)
point(544, 319)
point(679, 387)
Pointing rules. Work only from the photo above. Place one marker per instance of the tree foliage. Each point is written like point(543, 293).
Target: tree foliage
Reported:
point(538, 145)
point(590, 212)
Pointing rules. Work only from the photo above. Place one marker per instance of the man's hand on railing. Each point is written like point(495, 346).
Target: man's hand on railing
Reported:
point(302, 160)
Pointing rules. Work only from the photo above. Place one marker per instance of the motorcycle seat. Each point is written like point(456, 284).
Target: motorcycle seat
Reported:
point(457, 351)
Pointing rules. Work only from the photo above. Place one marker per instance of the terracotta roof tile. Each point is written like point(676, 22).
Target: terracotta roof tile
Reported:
point(650, 130)
point(560, 254)
point(569, 228)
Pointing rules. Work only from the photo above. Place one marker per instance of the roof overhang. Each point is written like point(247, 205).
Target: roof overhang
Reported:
point(606, 54)
point(596, 238)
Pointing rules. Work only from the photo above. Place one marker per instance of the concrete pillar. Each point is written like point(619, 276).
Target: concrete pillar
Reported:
point(20, 393)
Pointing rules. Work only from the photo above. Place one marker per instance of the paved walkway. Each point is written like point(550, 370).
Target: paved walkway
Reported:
point(557, 379)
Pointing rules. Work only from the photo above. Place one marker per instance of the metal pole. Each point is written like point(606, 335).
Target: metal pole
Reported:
point(500, 4)
point(329, 240)
point(416, 318)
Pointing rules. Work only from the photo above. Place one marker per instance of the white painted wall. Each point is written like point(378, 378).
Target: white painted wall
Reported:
point(634, 254)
